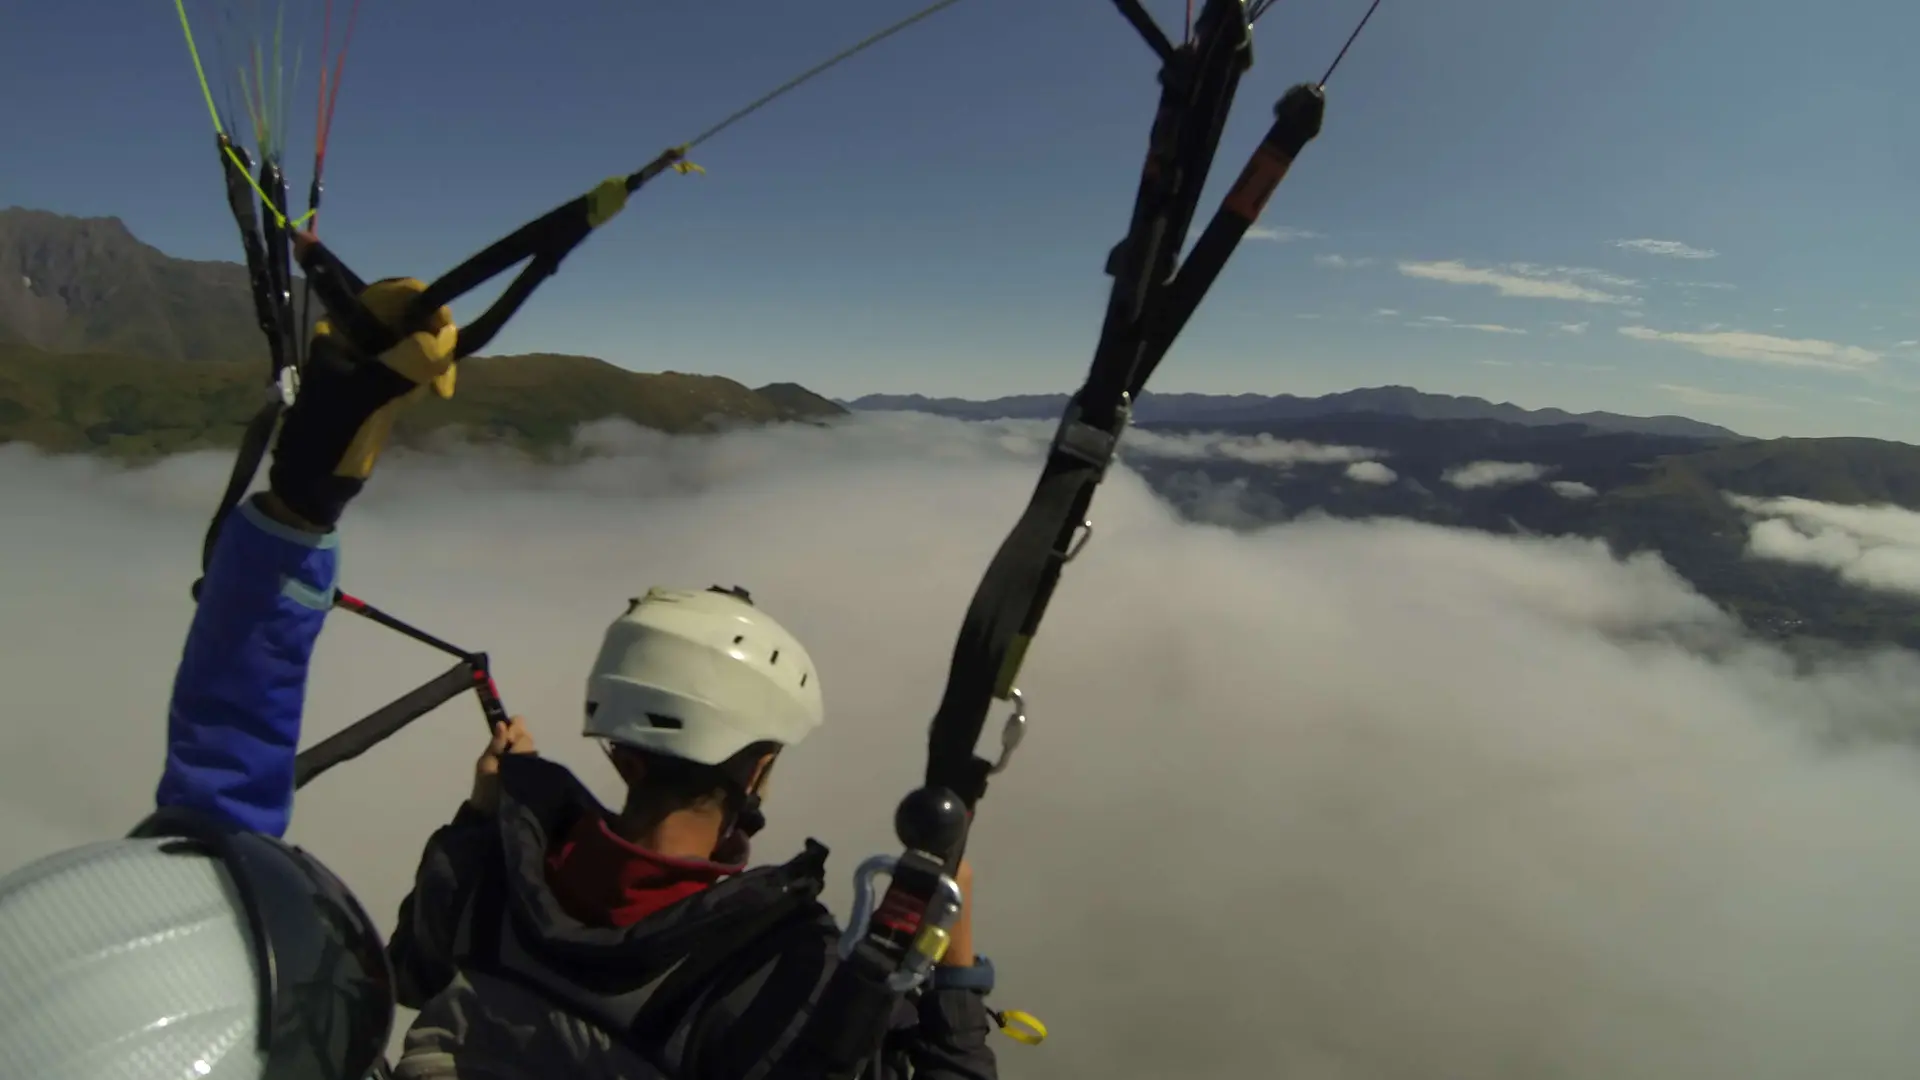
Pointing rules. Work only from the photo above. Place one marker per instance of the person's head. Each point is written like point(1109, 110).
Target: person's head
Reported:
point(694, 694)
point(192, 950)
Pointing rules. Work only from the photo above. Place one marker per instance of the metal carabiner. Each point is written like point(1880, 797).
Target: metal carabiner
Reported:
point(864, 899)
point(1081, 536)
point(1012, 732)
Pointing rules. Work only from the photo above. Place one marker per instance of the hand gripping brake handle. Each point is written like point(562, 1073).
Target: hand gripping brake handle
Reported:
point(890, 945)
point(902, 937)
point(918, 929)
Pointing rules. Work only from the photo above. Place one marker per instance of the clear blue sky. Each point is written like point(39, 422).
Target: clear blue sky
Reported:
point(933, 216)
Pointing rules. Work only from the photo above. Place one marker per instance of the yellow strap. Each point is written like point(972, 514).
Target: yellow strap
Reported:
point(607, 198)
point(1021, 1027)
point(681, 165)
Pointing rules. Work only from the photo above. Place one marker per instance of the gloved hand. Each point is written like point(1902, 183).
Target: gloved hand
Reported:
point(337, 426)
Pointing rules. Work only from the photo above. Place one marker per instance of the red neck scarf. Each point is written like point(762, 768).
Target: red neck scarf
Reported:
point(603, 879)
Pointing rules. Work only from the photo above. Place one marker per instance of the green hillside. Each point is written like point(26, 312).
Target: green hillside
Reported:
point(135, 408)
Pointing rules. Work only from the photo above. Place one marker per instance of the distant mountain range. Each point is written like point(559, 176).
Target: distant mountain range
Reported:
point(72, 284)
point(1401, 401)
point(110, 346)
point(1638, 492)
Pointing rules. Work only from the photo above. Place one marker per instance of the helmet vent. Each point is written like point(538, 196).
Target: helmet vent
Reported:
point(775, 658)
point(670, 723)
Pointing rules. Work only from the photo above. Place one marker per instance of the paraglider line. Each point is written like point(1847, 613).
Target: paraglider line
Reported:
point(368, 611)
point(818, 69)
point(1371, 8)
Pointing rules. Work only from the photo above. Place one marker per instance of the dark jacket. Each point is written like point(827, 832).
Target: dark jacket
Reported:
point(717, 986)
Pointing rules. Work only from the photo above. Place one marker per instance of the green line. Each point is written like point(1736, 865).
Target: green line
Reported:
point(198, 71)
point(262, 133)
point(279, 113)
point(213, 112)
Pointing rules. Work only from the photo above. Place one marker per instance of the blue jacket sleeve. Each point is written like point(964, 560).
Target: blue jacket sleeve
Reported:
point(233, 726)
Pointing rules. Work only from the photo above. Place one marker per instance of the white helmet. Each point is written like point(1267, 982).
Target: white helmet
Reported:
point(701, 675)
point(236, 958)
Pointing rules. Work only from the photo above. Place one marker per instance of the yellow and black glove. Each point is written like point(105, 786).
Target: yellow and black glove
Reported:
point(337, 426)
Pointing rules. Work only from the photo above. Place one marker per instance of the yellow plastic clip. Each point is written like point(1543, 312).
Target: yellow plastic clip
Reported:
point(1021, 1027)
point(682, 165)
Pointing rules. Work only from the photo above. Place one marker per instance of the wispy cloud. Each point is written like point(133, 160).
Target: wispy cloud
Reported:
point(1371, 472)
point(1672, 249)
point(1764, 348)
point(1571, 327)
point(1875, 547)
point(1573, 489)
point(1386, 312)
point(1704, 285)
point(1343, 262)
point(1484, 474)
point(1908, 344)
point(1506, 282)
point(1254, 449)
point(1694, 395)
point(1584, 273)
point(1490, 328)
point(1280, 234)
point(1435, 319)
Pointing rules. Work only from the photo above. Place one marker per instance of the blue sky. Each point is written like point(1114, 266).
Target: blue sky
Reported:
point(1696, 206)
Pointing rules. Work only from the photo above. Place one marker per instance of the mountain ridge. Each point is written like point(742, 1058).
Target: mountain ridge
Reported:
point(1190, 408)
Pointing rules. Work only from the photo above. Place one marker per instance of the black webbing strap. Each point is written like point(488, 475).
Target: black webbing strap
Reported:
point(269, 280)
point(1198, 82)
point(365, 734)
point(542, 243)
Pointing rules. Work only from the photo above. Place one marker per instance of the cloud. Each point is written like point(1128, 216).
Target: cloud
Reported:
point(1571, 327)
point(1722, 285)
point(1454, 272)
point(1908, 344)
point(1573, 489)
point(1371, 472)
point(1672, 249)
point(1482, 474)
point(1763, 348)
point(1435, 319)
point(1587, 273)
point(1412, 802)
point(1280, 234)
point(1343, 262)
point(1874, 547)
point(1490, 328)
point(1694, 395)
point(1252, 449)
point(1386, 312)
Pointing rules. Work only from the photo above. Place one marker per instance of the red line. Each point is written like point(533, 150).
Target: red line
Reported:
point(320, 100)
point(339, 65)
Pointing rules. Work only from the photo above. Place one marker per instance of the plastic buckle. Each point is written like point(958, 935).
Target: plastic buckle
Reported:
point(1082, 441)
